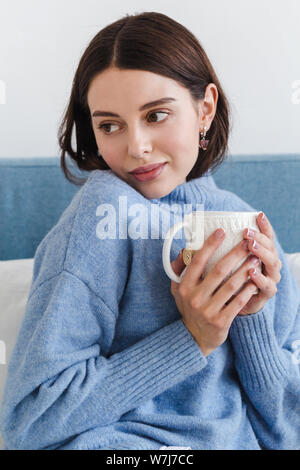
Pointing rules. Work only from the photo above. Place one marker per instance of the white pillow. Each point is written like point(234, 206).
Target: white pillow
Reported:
point(293, 260)
point(16, 276)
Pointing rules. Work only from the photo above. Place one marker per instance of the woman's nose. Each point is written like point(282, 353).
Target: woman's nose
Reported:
point(138, 144)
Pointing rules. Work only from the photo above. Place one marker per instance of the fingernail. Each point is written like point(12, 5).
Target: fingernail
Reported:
point(262, 217)
point(250, 233)
point(252, 244)
point(219, 233)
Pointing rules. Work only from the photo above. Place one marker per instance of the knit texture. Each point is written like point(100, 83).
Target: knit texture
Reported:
point(103, 359)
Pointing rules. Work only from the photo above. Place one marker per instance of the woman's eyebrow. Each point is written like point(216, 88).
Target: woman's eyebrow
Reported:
point(145, 106)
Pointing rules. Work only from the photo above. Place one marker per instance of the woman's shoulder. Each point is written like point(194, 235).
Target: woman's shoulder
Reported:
point(108, 185)
point(234, 203)
point(83, 240)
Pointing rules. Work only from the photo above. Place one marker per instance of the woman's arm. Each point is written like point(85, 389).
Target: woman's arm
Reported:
point(265, 361)
point(270, 377)
point(61, 384)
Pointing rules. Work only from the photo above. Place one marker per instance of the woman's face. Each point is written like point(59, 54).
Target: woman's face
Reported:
point(129, 137)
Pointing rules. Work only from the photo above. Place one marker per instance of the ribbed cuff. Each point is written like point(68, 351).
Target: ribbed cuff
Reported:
point(259, 359)
point(153, 365)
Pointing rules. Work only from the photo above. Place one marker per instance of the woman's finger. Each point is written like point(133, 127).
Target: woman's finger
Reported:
point(271, 262)
point(251, 234)
point(265, 284)
point(178, 264)
point(265, 226)
point(196, 267)
point(265, 236)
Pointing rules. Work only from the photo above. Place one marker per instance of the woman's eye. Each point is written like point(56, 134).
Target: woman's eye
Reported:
point(104, 126)
point(107, 124)
point(157, 112)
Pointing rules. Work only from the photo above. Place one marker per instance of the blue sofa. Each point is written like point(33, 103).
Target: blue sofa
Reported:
point(34, 192)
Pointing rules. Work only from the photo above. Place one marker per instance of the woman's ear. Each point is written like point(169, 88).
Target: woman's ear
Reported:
point(208, 106)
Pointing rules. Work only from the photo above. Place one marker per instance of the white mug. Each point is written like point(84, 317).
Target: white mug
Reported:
point(198, 226)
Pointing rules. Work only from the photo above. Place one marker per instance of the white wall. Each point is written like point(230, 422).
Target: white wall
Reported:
point(254, 46)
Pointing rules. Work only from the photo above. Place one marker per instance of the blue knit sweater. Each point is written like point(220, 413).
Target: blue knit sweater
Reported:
point(103, 359)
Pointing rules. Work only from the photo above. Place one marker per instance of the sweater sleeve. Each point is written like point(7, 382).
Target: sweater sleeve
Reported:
point(60, 382)
point(269, 373)
point(266, 359)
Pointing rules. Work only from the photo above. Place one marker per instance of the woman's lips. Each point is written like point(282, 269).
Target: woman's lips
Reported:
point(149, 175)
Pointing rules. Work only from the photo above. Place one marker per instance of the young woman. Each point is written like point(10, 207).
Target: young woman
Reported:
point(111, 355)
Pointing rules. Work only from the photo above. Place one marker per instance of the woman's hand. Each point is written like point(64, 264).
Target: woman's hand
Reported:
point(263, 246)
point(204, 303)
point(208, 307)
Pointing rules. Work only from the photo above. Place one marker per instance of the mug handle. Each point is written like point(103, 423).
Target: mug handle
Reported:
point(167, 250)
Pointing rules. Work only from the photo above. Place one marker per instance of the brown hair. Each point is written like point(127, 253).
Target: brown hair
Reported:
point(152, 42)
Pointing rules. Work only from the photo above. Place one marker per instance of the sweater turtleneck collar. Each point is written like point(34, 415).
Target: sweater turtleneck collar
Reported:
point(195, 191)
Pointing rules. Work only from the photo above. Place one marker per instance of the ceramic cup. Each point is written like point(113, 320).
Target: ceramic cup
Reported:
point(198, 226)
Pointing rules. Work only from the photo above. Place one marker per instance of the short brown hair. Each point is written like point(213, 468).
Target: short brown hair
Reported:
point(152, 42)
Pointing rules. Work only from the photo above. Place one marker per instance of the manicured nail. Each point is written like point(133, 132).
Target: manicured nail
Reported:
point(254, 245)
point(219, 233)
point(250, 233)
point(262, 217)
